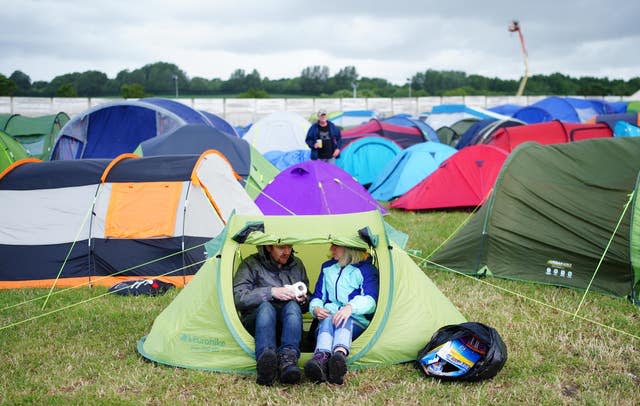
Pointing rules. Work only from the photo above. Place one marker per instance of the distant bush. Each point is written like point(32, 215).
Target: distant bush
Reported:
point(7, 86)
point(254, 94)
point(66, 90)
point(132, 91)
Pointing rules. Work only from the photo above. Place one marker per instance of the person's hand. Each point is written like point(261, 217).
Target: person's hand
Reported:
point(282, 293)
point(336, 152)
point(342, 315)
point(321, 313)
point(318, 144)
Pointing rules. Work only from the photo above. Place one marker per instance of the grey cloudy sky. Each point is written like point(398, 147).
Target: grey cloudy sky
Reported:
point(387, 39)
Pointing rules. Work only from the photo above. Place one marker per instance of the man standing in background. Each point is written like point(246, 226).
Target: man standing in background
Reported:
point(324, 139)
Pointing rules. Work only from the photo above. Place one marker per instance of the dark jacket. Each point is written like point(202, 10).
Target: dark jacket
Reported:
point(256, 276)
point(313, 134)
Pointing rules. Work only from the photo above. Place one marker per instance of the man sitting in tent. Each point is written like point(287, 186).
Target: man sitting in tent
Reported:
point(271, 311)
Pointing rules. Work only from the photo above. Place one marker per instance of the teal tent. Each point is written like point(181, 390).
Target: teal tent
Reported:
point(365, 158)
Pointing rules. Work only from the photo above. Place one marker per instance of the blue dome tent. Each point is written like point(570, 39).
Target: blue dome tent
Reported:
point(506, 109)
point(565, 109)
point(409, 168)
point(220, 123)
point(111, 129)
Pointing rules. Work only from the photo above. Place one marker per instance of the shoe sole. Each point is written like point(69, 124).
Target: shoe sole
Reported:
point(291, 376)
point(314, 372)
point(266, 368)
point(337, 369)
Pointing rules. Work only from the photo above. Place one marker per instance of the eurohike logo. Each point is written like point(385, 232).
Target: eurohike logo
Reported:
point(559, 269)
point(202, 344)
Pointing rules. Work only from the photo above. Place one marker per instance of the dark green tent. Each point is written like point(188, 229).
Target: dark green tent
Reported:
point(551, 216)
point(36, 134)
point(4, 119)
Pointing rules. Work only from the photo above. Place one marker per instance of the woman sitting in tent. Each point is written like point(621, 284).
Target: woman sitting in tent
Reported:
point(344, 301)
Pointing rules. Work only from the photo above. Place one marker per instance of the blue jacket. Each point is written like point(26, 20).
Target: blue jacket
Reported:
point(355, 284)
point(313, 134)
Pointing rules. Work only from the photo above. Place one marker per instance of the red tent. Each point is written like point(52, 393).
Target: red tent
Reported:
point(401, 135)
point(463, 180)
point(552, 132)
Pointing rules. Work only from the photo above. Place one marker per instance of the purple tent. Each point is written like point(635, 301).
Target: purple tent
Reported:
point(315, 187)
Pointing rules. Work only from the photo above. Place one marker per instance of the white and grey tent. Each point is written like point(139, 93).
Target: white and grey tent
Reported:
point(97, 220)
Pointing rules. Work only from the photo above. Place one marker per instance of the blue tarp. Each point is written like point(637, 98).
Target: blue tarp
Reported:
point(409, 168)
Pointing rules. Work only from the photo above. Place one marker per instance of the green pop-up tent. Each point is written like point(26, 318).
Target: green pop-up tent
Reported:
point(36, 134)
point(201, 327)
point(10, 151)
point(552, 216)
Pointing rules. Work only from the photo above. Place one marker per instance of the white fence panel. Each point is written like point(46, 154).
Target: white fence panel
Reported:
point(382, 105)
point(304, 107)
point(425, 104)
point(5, 105)
point(404, 105)
point(246, 111)
point(354, 104)
point(214, 106)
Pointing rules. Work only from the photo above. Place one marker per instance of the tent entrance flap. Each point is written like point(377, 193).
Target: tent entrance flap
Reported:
point(143, 209)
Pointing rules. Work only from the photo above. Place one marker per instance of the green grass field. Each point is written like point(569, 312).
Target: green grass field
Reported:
point(86, 354)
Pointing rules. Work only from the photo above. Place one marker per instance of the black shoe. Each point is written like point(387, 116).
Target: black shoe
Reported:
point(267, 367)
point(316, 368)
point(337, 368)
point(287, 366)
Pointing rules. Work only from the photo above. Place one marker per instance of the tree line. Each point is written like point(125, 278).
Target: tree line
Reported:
point(167, 79)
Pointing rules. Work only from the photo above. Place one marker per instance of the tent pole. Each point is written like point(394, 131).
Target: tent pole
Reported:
point(184, 219)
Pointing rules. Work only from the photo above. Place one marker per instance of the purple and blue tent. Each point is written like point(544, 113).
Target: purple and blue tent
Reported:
point(315, 187)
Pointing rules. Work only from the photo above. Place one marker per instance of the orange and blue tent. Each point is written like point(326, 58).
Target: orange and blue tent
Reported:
point(98, 221)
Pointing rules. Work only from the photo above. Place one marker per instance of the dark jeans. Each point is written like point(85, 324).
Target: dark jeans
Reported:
point(270, 322)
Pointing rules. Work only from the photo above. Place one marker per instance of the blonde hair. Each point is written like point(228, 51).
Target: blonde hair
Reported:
point(353, 256)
